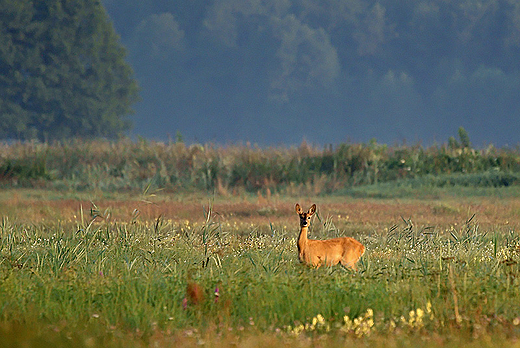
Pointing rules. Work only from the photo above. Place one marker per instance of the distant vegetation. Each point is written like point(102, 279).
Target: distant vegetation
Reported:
point(232, 69)
point(129, 165)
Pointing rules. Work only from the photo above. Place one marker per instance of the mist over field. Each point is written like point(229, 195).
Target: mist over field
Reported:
point(280, 71)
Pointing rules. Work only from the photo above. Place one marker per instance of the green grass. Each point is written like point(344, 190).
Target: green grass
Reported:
point(485, 184)
point(98, 281)
point(103, 281)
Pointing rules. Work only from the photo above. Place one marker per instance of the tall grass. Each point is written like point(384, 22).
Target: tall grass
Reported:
point(128, 165)
point(134, 276)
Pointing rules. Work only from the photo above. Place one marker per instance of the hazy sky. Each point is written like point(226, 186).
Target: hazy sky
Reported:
point(281, 71)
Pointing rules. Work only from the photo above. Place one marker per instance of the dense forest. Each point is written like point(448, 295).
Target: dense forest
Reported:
point(279, 71)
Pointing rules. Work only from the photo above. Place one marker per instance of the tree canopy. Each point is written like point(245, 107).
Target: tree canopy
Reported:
point(62, 71)
point(233, 69)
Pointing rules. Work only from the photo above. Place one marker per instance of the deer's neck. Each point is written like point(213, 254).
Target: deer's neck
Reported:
point(302, 239)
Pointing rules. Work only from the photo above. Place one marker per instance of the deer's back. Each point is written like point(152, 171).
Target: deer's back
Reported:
point(333, 250)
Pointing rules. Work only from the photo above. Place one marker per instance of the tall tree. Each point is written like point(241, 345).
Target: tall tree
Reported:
point(62, 71)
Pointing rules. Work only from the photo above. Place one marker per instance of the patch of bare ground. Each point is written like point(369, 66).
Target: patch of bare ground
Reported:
point(345, 213)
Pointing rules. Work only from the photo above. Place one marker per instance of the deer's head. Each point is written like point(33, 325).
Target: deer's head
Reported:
point(305, 218)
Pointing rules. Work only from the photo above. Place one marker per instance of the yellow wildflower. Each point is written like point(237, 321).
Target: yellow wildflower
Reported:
point(429, 309)
point(420, 313)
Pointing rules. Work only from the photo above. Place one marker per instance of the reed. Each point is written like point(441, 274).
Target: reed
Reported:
point(134, 165)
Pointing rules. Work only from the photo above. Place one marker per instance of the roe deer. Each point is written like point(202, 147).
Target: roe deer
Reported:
point(329, 252)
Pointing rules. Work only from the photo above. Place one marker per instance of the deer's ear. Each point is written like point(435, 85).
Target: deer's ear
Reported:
point(298, 209)
point(312, 210)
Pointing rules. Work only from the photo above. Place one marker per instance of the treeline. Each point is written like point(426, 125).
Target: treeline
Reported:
point(141, 165)
point(228, 70)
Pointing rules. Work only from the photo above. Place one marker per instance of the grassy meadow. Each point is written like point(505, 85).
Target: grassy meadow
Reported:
point(133, 244)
